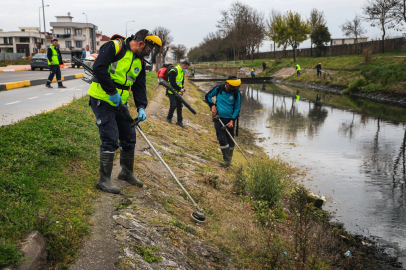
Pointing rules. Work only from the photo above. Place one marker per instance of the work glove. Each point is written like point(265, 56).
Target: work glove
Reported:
point(230, 124)
point(141, 114)
point(116, 99)
point(214, 110)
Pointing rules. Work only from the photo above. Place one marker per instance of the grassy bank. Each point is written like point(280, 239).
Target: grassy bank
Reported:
point(256, 215)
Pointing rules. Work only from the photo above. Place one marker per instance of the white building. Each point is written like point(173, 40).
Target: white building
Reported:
point(340, 41)
point(73, 35)
point(27, 41)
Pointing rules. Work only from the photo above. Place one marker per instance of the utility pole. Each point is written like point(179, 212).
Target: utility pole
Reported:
point(45, 30)
point(88, 34)
point(126, 28)
point(39, 12)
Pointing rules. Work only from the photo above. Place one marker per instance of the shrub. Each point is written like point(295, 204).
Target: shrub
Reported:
point(372, 87)
point(266, 181)
point(239, 182)
point(356, 85)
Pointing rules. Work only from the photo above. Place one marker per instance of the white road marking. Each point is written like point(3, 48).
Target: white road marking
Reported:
point(62, 91)
point(32, 97)
point(12, 103)
point(48, 94)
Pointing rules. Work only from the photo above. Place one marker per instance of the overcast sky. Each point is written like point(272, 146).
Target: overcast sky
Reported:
point(189, 21)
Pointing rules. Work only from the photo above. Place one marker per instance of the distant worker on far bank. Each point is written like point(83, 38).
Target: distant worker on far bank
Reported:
point(176, 78)
point(252, 72)
point(54, 62)
point(297, 69)
point(227, 106)
point(318, 68)
point(193, 72)
point(263, 66)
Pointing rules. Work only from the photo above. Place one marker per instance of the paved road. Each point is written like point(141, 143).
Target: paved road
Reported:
point(6, 77)
point(20, 103)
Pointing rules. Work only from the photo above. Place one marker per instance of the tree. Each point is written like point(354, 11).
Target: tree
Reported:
point(271, 20)
point(256, 32)
point(179, 51)
point(380, 13)
point(316, 20)
point(278, 32)
point(297, 30)
point(399, 13)
point(163, 34)
point(353, 28)
point(320, 37)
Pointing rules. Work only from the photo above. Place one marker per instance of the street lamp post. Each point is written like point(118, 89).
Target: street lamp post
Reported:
point(45, 30)
point(39, 13)
point(126, 28)
point(89, 32)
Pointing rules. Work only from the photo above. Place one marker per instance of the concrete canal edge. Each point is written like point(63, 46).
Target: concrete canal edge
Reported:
point(381, 97)
point(35, 253)
point(19, 84)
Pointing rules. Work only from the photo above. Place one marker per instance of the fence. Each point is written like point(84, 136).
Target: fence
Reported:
point(11, 56)
point(390, 45)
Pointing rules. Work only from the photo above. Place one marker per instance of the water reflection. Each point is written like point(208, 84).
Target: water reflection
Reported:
point(356, 159)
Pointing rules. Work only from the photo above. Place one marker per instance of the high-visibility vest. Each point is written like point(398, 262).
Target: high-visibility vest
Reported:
point(179, 77)
point(297, 67)
point(124, 72)
point(55, 58)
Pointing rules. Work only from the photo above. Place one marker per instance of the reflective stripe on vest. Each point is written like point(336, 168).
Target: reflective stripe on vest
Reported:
point(179, 77)
point(125, 71)
point(54, 57)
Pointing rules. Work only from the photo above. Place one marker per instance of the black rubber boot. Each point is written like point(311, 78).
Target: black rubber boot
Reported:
point(105, 168)
point(127, 165)
point(230, 154)
point(226, 157)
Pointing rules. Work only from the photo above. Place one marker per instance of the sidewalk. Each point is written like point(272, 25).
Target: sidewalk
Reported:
point(15, 68)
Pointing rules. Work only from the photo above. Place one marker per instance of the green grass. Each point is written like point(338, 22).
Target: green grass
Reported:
point(14, 62)
point(149, 253)
point(48, 169)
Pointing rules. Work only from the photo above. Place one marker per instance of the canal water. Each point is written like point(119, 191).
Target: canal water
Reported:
point(351, 151)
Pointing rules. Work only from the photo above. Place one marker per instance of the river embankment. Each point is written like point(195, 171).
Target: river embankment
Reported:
point(51, 189)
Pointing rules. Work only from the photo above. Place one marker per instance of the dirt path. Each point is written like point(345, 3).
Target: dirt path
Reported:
point(122, 223)
point(284, 72)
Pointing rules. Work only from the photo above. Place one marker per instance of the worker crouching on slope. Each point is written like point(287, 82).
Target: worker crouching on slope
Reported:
point(227, 106)
point(176, 78)
point(119, 68)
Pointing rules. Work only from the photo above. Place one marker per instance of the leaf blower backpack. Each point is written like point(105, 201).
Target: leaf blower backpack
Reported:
point(163, 72)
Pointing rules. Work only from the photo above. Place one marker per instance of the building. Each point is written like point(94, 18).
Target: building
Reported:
point(341, 41)
point(100, 40)
point(27, 41)
point(73, 35)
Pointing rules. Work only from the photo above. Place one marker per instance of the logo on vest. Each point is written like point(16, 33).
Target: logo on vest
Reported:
point(231, 97)
point(98, 122)
point(136, 70)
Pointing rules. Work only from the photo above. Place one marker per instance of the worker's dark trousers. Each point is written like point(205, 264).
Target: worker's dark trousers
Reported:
point(298, 72)
point(318, 73)
point(54, 70)
point(114, 128)
point(175, 104)
point(222, 135)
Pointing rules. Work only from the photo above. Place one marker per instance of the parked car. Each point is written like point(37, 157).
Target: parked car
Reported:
point(78, 55)
point(40, 61)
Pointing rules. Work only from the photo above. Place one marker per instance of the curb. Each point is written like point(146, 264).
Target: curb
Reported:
point(10, 70)
point(18, 69)
point(14, 85)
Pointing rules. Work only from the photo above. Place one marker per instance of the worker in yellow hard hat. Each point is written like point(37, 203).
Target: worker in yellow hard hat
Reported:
point(227, 106)
point(119, 68)
point(318, 68)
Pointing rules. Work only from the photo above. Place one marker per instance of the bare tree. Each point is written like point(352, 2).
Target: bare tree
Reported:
point(400, 13)
point(256, 33)
point(271, 20)
point(380, 13)
point(179, 50)
point(167, 39)
point(316, 20)
point(353, 28)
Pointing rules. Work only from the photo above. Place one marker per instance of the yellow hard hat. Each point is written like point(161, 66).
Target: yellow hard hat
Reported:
point(153, 40)
point(234, 81)
point(319, 63)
